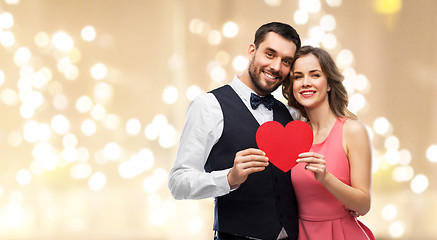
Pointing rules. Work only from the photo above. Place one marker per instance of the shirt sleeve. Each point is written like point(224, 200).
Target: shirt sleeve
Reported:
point(203, 127)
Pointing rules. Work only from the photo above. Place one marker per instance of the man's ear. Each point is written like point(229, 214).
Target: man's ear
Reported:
point(251, 51)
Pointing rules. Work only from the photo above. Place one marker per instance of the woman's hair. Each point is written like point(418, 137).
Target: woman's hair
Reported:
point(338, 98)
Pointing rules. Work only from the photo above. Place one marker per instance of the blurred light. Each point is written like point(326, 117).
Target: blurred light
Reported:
point(167, 137)
point(27, 111)
point(387, 6)
point(2, 77)
point(137, 164)
point(60, 102)
point(419, 183)
point(300, 17)
point(42, 39)
point(62, 41)
point(175, 62)
point(389, 212)
point(84, 104)
point(60, 124)
point(334, 3)
point(103, 92)
point(83, 154)
point(391, 142)
point(71, 72)
point(405, 157)
point(316, 33)
point(22, 56)
point(41, 78)
point(311, 6)
point(222, 57)
point(170, 95)
point(23, 177)
point(63, 64)
point(149, 185)
point(12, 2)
point(98, 112)
point(44, 153)
point(9, 96)
point(30, 131)
point(80, 171)
point(192, 92)
point(403, 173)
point(133, 126)
point(14, 138)
point(88, 127)
point(381, 126)
point(112, 151)
point(194, 225)
point(344, 58)
point(6, 20)
point(273, 3)
point(392, 156)
point(112, 121)
point(214, 37)
point(70, 154)
point(197, 26)
point(361, 83)
point(396, 229)
point(14, 215)
point(7, 38)
point(88, 33)
point(69, 140)
point(329, 41)
point(230, 29)
point(348, 85)
point(240, 63)
point(158, 217)
point(356, 102)
point(431, 153)
point(99, 71)
point(44, 132)
point(218, 74)
point(328, 23)
point(97, 181)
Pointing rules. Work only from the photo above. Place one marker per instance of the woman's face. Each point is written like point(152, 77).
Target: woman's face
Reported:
point(310, 85)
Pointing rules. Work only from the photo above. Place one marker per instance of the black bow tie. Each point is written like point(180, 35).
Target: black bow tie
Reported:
point(256, 100)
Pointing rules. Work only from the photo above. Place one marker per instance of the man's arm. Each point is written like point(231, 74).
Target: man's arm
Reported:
point(203, 128)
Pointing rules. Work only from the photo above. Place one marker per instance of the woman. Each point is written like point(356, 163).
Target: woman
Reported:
point(334, 177)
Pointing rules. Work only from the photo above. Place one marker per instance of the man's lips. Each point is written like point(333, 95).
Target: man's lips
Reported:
point(270, 76)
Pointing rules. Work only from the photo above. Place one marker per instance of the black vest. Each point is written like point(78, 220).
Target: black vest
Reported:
point(265, 202)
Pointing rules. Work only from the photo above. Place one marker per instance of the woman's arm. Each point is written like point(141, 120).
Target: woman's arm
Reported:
point(356, 143)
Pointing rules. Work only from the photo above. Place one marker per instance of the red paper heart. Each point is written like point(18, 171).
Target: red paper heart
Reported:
point(283, 145)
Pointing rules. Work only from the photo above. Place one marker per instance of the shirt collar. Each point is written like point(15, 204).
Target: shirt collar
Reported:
point(241, 89)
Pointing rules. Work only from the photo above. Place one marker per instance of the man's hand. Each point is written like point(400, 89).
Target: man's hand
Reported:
point(246, 162)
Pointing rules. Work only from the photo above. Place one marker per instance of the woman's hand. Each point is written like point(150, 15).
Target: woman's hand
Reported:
point(314, 162)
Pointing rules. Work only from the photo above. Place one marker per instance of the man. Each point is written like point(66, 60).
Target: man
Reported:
point(218, 155)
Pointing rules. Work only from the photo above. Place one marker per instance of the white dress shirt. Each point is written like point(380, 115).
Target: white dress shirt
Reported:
point(203, 128)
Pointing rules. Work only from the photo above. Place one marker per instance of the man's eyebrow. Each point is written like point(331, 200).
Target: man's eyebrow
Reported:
point(273, 50)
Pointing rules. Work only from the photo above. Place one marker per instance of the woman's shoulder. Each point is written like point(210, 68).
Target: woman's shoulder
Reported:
point(355, 128)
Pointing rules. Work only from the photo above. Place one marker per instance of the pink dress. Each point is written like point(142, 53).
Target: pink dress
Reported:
point(321, 215)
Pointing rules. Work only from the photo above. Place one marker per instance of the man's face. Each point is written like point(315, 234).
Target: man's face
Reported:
point(270, 63)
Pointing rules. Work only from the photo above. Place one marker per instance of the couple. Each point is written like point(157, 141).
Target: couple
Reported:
point(323, 194)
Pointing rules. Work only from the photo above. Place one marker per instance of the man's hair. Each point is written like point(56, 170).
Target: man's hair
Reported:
point(282, 29)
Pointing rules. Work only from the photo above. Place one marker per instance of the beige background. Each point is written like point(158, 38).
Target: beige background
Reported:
point(148, 46)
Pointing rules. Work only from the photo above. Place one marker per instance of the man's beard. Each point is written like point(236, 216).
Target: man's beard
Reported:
point(255, 73)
